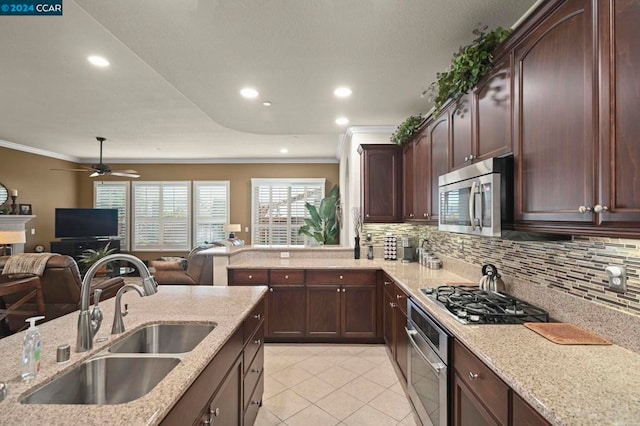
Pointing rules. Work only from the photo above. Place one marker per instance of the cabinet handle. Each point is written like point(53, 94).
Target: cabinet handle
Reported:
point(286, 277)
point(271, 289)
point(344, 290)
point(256, 370)
point(257, 341)
point(466, 159)
point(398, 297)
point(257, 316)
point(341, 277)
point(386, 283)
point(599, 209)
point(471, 157)
point(393, 305)
point(410, 214)
point(256, 402)
point(584, 209)
point(425, 214)
point(338, 290)
point(473, 376)
point(367, 215)
point(250, 277)
point(214, 412)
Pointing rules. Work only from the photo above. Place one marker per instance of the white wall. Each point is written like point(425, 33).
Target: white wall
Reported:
point(350, 170)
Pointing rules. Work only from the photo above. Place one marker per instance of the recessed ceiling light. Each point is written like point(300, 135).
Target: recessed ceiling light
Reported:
point(249, 93)
point(342, 92)
point(267, 103)
point(284, 150)
point(98, 61)
point(342, 121)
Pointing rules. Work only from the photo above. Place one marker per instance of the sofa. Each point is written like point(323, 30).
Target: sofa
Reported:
point(61, 284)
point(199, 269)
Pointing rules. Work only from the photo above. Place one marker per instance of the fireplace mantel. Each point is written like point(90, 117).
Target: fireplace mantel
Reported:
point(17, 222)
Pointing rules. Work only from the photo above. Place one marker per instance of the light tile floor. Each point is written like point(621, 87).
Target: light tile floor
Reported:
point(325, 385)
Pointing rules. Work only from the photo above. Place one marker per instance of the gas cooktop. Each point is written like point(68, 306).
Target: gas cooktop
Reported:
point(471, 305)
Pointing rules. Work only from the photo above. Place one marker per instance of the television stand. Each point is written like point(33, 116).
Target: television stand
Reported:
point(75, 247)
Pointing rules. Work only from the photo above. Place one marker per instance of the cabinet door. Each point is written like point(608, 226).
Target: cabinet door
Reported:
point(226, 406)
point(492, 112)
point(422, 176)
point(402, 342)
point(381, 183)
point(439, 148)
point(323, 310)
point(467, 410)
point(408, 179)
point(389, 325)
point(461, 152)
point(524, 415)
point(359, 311)
point(286, 311)
point(619, 125)
point(554, 117)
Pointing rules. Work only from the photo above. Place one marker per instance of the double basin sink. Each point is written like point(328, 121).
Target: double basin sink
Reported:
point(126, 370)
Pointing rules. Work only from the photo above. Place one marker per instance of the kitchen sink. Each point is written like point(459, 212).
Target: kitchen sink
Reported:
point(104, 380)
point(163, 339)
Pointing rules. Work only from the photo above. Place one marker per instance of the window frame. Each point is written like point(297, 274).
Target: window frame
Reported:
point(194, 214)
point(125, 241)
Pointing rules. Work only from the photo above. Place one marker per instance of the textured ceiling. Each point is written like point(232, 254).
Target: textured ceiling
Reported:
point(171, 92)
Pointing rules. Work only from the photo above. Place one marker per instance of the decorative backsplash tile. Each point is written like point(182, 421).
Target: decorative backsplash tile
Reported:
point(575, 266)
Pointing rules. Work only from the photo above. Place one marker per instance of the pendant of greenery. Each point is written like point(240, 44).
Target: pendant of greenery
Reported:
point(468, 66)
point(407, 129)
point(323, 225)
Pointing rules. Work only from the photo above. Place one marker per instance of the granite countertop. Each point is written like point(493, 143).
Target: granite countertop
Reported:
point(226, 306)
point(567, 384)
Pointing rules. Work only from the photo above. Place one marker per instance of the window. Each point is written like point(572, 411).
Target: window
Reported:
point(278, 209)
point(211, 210)
point(161, 216)
point(114, 195)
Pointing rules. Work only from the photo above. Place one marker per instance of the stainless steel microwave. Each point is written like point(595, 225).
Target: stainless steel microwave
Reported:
point(478, 199)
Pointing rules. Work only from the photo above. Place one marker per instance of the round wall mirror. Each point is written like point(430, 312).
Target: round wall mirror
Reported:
point(4, 194)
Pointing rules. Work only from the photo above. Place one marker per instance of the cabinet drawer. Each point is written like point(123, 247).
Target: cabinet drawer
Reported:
point(388, 284)
point(400, 298)
point(339, 276)
point(254, 319)
point(255, 403)
point(253, 375)
point(286, 276)
point(488, 387)
point(249, 277)
point(253, 346)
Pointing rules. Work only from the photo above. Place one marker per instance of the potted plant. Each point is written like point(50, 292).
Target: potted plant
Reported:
point(405, 131)
point(323, 224)
point(467, 67)
point(91, 256)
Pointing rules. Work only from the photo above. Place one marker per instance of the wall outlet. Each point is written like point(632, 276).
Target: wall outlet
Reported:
point(246, 229)
point(617, 275)
point(33, 231)
point(284, 254)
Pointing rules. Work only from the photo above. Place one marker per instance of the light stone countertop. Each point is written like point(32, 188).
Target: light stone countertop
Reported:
point(567, 384)
point(226, 306)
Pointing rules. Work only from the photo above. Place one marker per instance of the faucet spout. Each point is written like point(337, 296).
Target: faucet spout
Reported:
point(86, 332)
point(118, 323)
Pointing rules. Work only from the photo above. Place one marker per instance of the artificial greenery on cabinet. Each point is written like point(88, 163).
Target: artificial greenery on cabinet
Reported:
point(407, 129)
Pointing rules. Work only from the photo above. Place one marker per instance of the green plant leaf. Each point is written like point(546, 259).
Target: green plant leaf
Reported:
point(313, 212)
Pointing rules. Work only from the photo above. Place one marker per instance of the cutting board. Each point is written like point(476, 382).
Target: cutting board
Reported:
point(566, 334)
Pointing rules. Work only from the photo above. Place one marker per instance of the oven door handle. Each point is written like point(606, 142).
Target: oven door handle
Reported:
point(437, 368)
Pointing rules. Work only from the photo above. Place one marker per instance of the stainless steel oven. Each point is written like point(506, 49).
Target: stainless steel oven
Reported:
point(477, 199)
point(427, 377)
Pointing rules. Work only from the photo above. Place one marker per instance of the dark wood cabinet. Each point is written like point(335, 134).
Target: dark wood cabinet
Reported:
point(524, 415)
point(409, 169)
point(395, 322)
point(554, 117)
point(467, 408)
point(286, 311)
point(323, 311)
point(421, 176)
point(359, 311)
point(381, 180)
point(225, 407)
point(461, 152)
point(402, 342)
point(388, 324)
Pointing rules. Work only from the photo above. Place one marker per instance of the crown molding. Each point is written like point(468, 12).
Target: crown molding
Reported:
point(352, 130)
point(37, 151)
point(296, 160)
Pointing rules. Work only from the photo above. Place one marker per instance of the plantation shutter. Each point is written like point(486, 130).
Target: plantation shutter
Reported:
point(211, 210)
point(114, 195)
point(278, 209)
point(161, 216)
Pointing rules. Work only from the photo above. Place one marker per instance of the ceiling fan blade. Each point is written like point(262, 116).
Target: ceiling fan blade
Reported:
point(125, 173)
point(84, 169)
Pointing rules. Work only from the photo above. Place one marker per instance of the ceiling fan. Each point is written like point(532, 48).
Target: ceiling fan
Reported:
point(102, 169)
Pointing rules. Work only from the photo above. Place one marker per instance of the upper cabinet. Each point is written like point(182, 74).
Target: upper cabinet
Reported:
point(461, 150)
point(381, 170)
point(409, 181)
point(555, 116)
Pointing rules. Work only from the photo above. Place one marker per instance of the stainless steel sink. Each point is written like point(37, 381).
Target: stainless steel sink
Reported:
point(163, 339)
point(105, 380)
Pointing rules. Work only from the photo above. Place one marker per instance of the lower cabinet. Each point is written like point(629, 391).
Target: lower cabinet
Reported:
point(286, 311)
point(482, 398)
point(395, 321)
point(229, 390)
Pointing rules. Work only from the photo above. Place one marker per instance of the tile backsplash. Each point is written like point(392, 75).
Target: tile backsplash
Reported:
point(574, 266)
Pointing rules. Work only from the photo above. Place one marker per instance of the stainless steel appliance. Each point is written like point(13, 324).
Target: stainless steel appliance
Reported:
point(472, 305)
point(427, 378)
point(477, 199)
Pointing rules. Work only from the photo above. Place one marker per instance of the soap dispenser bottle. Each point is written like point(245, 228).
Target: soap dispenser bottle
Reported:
point(31, 350)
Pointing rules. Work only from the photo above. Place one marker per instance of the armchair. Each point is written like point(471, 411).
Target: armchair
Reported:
point(61, 285)
point(199, 269)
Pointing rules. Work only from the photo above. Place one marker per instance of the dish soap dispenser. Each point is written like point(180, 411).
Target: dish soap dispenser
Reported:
point(31, 350)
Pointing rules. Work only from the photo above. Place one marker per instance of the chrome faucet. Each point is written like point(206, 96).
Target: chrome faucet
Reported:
point(89, 322)
point(118, 323)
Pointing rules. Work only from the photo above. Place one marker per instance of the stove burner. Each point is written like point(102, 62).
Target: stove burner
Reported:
point(473, 305)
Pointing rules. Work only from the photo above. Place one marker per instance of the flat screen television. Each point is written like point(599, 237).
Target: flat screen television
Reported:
point(86, 223)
